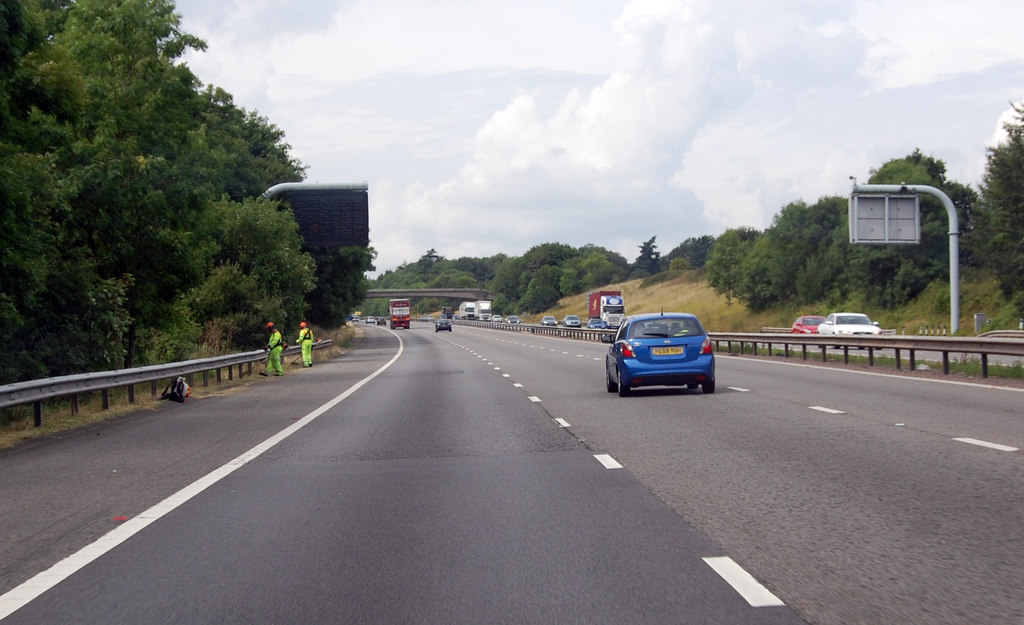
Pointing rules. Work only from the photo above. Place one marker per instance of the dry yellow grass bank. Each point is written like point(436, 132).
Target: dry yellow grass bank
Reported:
point(686, 293)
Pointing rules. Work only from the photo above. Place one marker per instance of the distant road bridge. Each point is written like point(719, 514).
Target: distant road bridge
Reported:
point(463, 294)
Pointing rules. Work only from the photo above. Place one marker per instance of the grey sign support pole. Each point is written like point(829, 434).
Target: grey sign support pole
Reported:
point(954, 237)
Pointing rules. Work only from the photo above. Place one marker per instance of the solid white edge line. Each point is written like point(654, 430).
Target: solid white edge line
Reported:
point(848, 371)
point(607, 461)
point(980, 443)
point(738, 389)
point(744, 583)
point(28, 591)
point(535, 399)
point(563, 423)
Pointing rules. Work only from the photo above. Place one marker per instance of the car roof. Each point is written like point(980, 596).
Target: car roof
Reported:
point(666, 315)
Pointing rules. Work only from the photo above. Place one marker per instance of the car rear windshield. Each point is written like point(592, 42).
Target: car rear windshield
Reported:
point(663, 328)
point(854, 320)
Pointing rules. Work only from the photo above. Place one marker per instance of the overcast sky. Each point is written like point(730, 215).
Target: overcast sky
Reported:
point(486, 127)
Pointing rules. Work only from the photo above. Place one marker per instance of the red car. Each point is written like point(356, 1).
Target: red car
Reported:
point(808, 324)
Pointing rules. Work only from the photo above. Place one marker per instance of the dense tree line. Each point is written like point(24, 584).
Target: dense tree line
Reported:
point(539, 278)
point(131, 233)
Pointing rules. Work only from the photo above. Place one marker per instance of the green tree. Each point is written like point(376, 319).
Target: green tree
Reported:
point(600, 268)
point(649, 260)
point(237, 152)
point(510, 282)
point(128, 170)
point(256, 271)
point(543, 290)
point(998, 237)
point(573, 278)
point(725, 265)
point(695, 250)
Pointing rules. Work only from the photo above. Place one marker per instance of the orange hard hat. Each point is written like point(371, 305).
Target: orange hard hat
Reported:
point(270, 324)
point(302, 325)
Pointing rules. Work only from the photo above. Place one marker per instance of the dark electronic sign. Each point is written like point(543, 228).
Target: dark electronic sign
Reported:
point(332, 218)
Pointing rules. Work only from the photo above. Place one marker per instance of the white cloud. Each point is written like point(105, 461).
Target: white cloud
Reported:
point(487, 127)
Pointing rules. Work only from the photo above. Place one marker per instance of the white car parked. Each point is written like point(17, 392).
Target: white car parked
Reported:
point(848, 323)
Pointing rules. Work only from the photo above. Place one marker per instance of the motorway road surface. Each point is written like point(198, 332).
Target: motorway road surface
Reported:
point(488, 477)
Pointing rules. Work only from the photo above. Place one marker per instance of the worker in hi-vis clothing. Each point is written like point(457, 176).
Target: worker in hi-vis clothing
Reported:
point(306, 340)
point(275, 345)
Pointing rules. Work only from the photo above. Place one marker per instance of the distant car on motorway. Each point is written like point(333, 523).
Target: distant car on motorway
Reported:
point(572, 321)
point(596, 323)
point(807, 324)
point(548, 320)
point(371, 320)
point(513, 319)
point(659, 349)
point(443, 323)
point(847, 323)
point(382, 321)
point(496, 318)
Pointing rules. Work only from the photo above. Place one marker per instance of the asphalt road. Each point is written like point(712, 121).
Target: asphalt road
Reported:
point(403, 483)
point(466, 483)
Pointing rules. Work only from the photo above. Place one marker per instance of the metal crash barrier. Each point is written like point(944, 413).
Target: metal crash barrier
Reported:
point(36, 391)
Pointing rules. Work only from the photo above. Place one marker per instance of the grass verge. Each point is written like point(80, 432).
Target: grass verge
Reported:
point(18, 424)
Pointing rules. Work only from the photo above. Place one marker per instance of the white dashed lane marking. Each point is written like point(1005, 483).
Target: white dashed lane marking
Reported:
point(607, 461)
point(827, 410)
point(996, 446)
point(744, 583)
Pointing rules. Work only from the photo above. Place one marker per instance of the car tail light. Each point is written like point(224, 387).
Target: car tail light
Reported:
point(705, 347)
point(627, 350)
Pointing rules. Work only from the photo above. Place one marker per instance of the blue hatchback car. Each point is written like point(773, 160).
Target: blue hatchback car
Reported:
point(659, 349)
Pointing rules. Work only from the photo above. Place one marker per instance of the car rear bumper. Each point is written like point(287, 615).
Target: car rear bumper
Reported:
point(635, 374)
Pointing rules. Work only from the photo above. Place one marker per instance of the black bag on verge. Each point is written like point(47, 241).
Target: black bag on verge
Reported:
point(177, 391)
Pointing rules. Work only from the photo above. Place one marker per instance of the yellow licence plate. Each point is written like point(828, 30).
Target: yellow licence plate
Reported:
point(667, 351)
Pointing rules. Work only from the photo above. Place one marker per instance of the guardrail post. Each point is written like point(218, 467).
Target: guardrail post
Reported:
point(37, 414)
point(153, 389)
point(913, 361)
point(984, 365)
point(131, 393)
point(206, 378)
point(74, 405)
point(105, 394)
point(899, 361)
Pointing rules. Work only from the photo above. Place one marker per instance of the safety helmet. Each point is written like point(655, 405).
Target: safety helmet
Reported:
point(302, 325)
point(270, 324)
